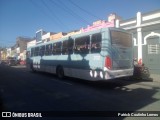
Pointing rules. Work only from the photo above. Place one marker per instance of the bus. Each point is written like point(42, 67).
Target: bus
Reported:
point(102, 54)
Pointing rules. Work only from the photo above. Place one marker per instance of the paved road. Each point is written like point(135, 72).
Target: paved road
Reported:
point(21, 90)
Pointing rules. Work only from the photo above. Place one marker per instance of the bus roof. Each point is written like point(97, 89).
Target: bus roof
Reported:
point(78, 35)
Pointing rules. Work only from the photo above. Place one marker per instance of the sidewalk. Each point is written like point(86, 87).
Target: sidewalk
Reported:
point(155, 77)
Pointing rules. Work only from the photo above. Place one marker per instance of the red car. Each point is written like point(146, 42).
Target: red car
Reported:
point(22, 62)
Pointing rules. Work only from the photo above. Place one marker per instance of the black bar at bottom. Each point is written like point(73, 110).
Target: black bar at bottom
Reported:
point(101, 114)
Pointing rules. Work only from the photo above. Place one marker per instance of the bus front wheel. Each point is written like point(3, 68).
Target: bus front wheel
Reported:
point(60, 72)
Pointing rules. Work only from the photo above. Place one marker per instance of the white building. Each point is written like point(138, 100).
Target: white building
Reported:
point(46, 37)
point(145, 28)
point(9, 51)
point(31, 43)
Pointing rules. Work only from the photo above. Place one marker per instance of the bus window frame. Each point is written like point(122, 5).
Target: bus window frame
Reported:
point(122, 42)
point(96, 46)
point(58, 50)
point(82, 48)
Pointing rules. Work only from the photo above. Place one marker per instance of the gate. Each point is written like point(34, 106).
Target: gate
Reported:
point(151, 54)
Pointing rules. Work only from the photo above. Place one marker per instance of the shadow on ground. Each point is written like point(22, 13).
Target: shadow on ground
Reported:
point(47, 95)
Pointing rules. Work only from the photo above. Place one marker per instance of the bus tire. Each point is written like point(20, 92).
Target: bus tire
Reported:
point(60, 72)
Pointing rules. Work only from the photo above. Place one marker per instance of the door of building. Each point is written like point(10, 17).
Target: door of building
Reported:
point(153, 54)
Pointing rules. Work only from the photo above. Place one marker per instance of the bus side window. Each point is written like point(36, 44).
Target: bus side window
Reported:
point(53, 49)
point(48, 50)
point(82, 45)
point(70, 46)
point(28, 54)
point(57, 48)
point(96, 43)
point(32, 52)
point(67, 47)
point(41, 51)
point(36, 51)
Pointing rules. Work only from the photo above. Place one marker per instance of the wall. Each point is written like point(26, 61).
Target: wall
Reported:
point(57, 36)
point(143, 27)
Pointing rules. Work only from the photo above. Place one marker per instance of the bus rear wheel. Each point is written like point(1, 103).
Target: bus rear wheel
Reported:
point(60, 72)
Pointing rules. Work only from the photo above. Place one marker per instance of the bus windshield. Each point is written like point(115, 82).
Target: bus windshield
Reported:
point(121, 50)
point(119, 38)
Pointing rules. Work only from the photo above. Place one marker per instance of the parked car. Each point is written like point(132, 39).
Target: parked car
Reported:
point(3, 62)
point(11, 62)
point(22, 62)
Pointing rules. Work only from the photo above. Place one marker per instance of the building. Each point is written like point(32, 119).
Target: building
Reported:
point(3, 54)
point(20, 47)
point(74, 32)
point(145, 28)
point(39, 35)
point(99, 24)
point(31, 43)
point(46, 37)
point(57, 36)
point(9, 51)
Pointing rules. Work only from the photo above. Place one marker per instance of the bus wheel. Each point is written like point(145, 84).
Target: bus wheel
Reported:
point(60, 72)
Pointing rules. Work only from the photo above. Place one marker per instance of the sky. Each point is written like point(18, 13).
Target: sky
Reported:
point(25, 17)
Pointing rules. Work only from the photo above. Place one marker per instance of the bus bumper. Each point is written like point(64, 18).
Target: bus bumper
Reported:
point(111, 74)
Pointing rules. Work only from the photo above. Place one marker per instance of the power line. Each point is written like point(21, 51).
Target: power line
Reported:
point(35, 4)
point(61, 7)
point(58, 20)
point(89, 13)
point(55, 18)
point(71, 12)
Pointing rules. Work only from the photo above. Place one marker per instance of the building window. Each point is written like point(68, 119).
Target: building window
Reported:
point(153, 49)
point(39, 36)
point(82, 45)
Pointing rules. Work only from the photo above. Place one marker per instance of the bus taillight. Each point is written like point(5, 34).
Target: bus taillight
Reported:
point(108, 62)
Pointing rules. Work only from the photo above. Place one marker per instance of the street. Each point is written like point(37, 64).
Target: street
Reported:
point(21, 90)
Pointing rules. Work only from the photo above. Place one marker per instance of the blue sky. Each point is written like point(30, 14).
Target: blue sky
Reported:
point(25, 17)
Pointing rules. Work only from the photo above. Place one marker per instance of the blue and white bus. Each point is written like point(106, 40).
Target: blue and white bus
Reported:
point(102, 54)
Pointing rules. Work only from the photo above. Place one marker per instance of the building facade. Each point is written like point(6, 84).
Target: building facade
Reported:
point(20, 47)
point(146, 35)
point(3, 54)
point(57, 36)
point(46, 37)
point(39, 35)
